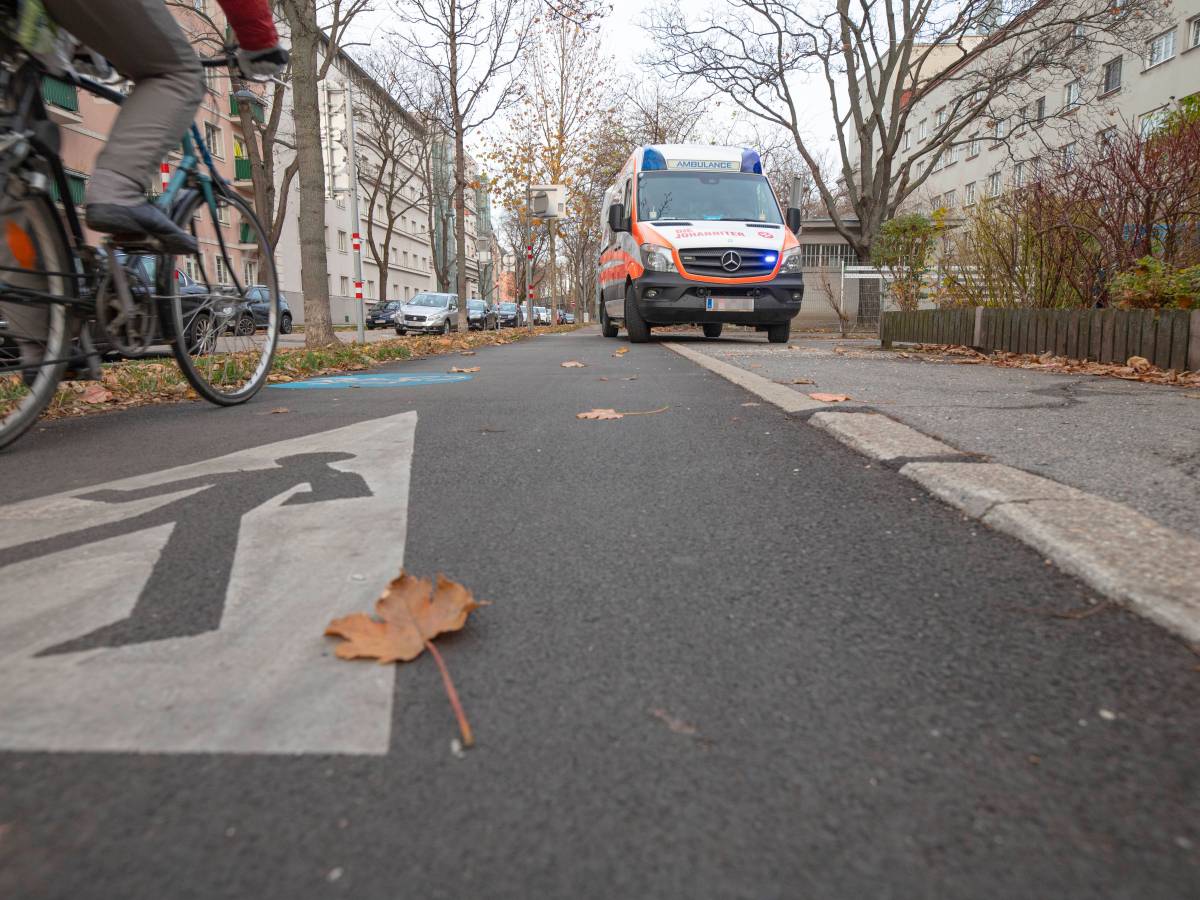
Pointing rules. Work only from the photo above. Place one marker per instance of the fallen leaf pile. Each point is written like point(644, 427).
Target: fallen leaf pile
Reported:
point(409, 614)
point(1136, 368)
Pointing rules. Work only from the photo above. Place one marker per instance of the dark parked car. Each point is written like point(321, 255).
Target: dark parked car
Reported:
point(481, 317)
point(383, 315)
point(256, 297)
point(510, 315)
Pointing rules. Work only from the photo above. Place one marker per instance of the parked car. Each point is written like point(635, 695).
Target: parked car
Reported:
point(481, 317)
point(541, 315)
point(510, 315)
point(568, 318)
point(429, 312)
point(383, 315)
point(258, 311)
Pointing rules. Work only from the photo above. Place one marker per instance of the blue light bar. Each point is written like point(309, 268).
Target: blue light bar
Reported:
point(751, 161)
point(769, 258)
point(652, 160)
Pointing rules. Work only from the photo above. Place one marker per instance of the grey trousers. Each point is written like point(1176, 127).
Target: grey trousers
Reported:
point(145, 44)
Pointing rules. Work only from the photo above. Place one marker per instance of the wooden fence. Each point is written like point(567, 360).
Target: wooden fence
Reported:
point(1169, 338)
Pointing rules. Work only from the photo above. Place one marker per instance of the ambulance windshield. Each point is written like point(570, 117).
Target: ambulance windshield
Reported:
point(706, 196)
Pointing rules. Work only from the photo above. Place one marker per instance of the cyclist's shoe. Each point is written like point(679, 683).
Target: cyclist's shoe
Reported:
point(138, 222)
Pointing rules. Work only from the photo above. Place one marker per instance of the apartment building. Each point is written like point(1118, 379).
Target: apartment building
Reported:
point(1114, 88)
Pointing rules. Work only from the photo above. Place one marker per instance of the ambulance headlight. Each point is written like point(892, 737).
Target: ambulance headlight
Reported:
point(791, 262)
point(657, 259)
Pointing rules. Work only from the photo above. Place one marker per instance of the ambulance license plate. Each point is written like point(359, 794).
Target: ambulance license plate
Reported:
point(729, 304)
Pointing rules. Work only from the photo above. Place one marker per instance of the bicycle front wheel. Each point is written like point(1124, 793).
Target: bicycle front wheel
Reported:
point(221, 304)
point(35, 331)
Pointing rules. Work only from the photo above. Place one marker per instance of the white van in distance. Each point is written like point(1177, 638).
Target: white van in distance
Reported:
point(694, 235)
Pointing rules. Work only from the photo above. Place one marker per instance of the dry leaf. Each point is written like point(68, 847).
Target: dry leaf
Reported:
point(676, 725)
point(755, 366)
point(466, 352)
point(96, 393)
point(631, 378)
point(622, 351)
point(468, 369)
point(280, 410)
point(602, 378)
point(600, 414)
point(802, 381)
point(752, 403)
point(1138, 364)
point(573, 364)
point(411, 613)
point(829, 398)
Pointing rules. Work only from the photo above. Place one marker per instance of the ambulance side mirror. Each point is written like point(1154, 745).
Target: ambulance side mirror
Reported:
point(616, 218)
point(795, 219)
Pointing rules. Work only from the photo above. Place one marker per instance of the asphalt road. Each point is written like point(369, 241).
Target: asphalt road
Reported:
point(726, 657)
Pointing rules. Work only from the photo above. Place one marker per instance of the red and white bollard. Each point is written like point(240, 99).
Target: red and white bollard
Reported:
point(358, 290)
point(165, 169)
point(357, 239)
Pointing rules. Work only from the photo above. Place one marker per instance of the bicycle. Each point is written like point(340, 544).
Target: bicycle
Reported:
point(66, 305)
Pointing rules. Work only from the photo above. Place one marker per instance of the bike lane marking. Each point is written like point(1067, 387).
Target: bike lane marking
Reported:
point(250, 671)
point(374, 380)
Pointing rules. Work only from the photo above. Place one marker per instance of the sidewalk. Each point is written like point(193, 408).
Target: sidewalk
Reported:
point(1134, 443)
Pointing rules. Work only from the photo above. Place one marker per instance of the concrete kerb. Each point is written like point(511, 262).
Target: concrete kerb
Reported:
point(1118, 552)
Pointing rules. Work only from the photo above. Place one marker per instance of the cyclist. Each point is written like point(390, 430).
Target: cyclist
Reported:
point(145, 44)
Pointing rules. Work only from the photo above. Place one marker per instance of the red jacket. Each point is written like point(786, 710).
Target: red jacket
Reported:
point(252, 23)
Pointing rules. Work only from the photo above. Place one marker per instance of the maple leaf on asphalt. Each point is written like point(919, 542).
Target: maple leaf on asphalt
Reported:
point(411, 613)
point(622, 351)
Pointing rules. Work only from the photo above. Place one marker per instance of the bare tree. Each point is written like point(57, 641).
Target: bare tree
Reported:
point(465, 51)
point(392, 170)
point(877, 61)
point(317, 41)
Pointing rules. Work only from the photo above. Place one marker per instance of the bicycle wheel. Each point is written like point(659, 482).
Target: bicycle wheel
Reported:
point(206, 300)
point(35, 331)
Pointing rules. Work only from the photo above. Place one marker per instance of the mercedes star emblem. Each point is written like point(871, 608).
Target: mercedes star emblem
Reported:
point(731, 260)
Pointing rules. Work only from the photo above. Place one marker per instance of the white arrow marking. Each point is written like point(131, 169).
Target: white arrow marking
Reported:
point(266, 681)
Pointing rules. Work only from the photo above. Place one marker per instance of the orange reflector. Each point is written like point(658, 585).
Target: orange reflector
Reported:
point(20, 244)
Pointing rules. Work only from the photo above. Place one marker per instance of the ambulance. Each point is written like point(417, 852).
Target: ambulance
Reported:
point(694, 235)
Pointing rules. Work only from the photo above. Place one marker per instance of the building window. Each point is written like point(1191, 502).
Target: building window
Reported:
point(969, 194)
point(907, 138)
point(345, 283)
point(1112, 75)
point(973, 146)
point(1071, 94)
point(370, 289)
point(1194, 32)
point(215, 140)
point(1162, 48)
point(1068, 154)
point(1039, 109)
point(950, 199)
point(1019, 174)
point(999, 129)
point(923, 130)
point(1151, 121)
point(250, 272)
point(341, 241)
point(1106, 138)
point(993, 184)
point(940, 117)
point(340, 201)
point(222, 270)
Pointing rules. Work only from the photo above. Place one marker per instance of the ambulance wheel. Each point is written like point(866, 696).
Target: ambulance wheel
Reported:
point(712, 330)
point(635, 325)
point(608, 327)
point(778, 334)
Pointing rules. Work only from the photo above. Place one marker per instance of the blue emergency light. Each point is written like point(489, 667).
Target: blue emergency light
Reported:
point(652, 160)
point(751, 162)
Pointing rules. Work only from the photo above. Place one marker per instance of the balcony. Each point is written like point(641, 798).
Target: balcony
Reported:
point(243, 173)
point(76, 185)
point(62, 100)
point(257, 111)
point(246, 241)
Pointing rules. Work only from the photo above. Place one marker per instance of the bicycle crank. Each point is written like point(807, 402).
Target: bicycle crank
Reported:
point(129, 322)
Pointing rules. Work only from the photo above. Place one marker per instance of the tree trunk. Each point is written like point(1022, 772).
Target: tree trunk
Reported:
point(306, 112)
point(460, 213)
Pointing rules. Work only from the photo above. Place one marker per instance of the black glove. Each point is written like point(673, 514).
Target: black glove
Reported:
point(265, 63)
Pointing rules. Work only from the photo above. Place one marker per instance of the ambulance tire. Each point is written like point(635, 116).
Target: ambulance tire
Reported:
point(608, 327)
point(712, 329)
point(778, 334)
point(635, 325)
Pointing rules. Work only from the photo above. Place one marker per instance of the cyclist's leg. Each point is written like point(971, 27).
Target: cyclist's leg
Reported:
point(142, 40)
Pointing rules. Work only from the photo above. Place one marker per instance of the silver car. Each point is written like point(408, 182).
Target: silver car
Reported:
point(429, 313)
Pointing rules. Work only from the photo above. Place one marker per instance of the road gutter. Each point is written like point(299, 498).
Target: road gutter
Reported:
point(1120, 553)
